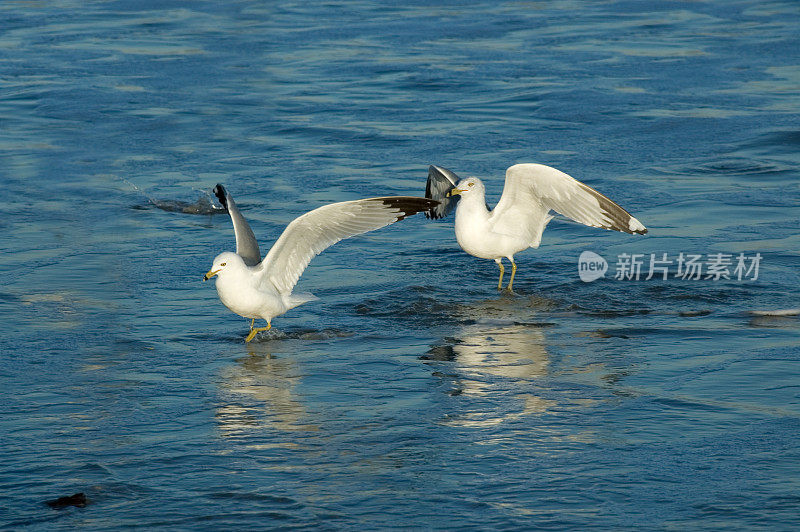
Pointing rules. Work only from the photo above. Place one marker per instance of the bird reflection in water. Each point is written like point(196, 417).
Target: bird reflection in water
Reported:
point(258, 393)
point(492, 362)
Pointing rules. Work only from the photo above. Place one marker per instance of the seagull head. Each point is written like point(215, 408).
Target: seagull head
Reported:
point(467, 187)
point(222, 262)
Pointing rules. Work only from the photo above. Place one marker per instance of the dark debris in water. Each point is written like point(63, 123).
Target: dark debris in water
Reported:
point(441, 353)
point(78, 500)
point(693, 313)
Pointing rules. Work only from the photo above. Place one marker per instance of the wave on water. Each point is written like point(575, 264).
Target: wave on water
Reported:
point(779, 312)
point(301, 334)
point(203, 205)
point(775, 319)
point(776, 142)
point(425, 305)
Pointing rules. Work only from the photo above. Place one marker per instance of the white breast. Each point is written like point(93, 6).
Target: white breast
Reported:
point(241, 294)
point(475, 235)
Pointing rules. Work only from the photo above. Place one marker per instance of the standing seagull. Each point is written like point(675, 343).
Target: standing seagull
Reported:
point(519, 218)
point(254, 288)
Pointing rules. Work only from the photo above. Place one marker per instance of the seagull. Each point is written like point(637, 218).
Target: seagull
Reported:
point(519, 218)
point(257, 289)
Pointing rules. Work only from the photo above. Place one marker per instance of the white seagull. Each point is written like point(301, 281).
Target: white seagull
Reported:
point(255, 289)
point(519, 218)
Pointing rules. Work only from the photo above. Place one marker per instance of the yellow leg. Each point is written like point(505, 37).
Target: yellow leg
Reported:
point(513, 271)
point(257, 330)
point(502, 271)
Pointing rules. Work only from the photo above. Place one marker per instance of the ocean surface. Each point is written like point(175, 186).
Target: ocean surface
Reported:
point(412, 394)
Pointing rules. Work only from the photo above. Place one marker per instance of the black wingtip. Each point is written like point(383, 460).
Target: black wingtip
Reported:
point(618, 218)
point(409, 206)
point(222, 195)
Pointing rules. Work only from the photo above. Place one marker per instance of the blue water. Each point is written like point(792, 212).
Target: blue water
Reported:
point(411, 394)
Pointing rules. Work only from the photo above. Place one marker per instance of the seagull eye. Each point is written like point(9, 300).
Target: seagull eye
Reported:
point(223, 264)
point(470, 184)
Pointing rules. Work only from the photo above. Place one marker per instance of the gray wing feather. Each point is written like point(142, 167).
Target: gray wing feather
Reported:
point(315, 231)
point(246, 244)
point(440, 182)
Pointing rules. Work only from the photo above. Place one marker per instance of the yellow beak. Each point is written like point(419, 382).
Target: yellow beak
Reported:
point(454, 192)
point(210, 274)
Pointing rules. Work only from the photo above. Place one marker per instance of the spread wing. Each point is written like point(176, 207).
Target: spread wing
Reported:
point(313, 232)
point(246, 244)
point(531, 190)
point(440, 182)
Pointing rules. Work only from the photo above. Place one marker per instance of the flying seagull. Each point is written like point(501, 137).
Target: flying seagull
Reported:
point(256, 289)
point(519, 218)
